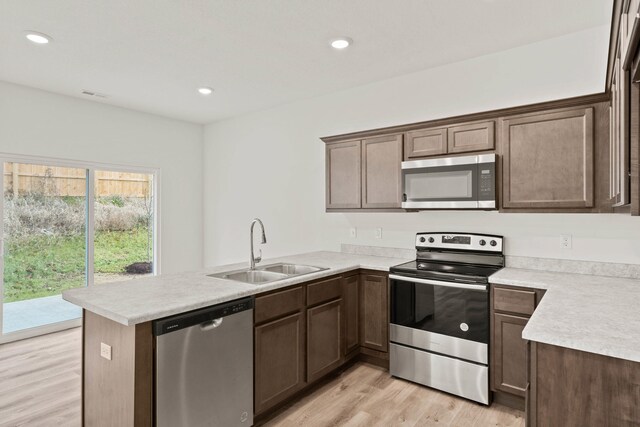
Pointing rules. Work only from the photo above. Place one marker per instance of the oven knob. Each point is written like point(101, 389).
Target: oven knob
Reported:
point(493, 243)
point(482, 242)
point(431, 240)
point(422, 239)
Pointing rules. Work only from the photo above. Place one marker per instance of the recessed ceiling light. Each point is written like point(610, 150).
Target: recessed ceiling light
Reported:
point(341, 43)
point(205, 90)
point(37, 38)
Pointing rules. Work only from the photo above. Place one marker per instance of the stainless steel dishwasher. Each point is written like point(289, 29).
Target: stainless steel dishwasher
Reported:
point(204, 367)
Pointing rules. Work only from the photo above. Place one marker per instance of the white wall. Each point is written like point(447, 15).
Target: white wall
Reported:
point(270, 164)
point(35, 122)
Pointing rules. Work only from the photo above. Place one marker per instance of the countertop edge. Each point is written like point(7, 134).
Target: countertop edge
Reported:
point(74, 296)
point(553, 290)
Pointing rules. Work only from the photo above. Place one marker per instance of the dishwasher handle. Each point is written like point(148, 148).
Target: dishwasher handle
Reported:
point(212, 324)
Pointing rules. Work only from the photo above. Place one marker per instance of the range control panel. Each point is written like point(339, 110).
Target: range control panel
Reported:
point(470, 242)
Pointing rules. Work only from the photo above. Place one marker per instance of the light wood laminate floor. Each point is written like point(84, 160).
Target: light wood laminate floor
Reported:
point(40, 386)
point(40, 380)
point(365, 395)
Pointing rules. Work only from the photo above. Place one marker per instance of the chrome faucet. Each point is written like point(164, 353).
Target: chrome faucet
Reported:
point(253, 260)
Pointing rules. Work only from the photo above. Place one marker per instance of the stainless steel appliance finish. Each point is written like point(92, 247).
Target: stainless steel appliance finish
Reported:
point(440, 343)
point(454, 376)
point(464, 182)
point(204, 367)
point(439, 329)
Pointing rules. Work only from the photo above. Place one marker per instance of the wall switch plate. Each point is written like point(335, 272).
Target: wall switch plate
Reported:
point(378, 233)
point(565, 241)
point(353, 232)
point(105, 351)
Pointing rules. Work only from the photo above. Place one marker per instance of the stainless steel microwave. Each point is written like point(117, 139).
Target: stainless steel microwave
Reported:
point(466, 182)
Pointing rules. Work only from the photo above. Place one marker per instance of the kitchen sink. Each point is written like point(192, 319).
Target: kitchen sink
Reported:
point(292, 269)
point(267, 273)
point(251, 276)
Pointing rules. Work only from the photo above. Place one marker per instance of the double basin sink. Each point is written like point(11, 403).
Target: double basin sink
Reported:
point(267, 273)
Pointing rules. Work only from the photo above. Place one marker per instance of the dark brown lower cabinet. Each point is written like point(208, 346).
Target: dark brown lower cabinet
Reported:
point(510, 354)
point(304, 332)
point(279, 360)
point(374, 312)
point(511, 308)
point(576, 388)
point(350, 298)
point(324, 339)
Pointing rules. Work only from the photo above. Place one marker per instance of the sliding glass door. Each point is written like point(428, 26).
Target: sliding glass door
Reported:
point(44, 233)
point(124, 226)
point(65, 226)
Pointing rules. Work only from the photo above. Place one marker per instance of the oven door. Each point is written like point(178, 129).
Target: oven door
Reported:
point(442, 317)
point(449, 183)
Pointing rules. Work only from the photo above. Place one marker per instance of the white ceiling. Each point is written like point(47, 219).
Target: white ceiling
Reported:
point(151, 55)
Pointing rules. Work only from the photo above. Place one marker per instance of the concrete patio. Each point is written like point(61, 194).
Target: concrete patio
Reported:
point(36, 312)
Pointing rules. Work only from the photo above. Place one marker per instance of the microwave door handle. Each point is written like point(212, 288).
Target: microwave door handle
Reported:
point(437, 282)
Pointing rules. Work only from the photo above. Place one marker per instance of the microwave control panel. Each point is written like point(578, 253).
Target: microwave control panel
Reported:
point(486, 181)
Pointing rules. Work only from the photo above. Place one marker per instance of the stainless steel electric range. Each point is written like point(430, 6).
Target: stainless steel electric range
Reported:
point(439, 327)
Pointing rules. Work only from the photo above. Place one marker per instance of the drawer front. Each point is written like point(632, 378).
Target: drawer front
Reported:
point(278, 304)
point(514, 301)
point(324, 290)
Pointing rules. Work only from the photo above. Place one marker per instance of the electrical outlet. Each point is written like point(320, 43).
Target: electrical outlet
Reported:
point(378, 233)
point(353, 232)
point(105, 351)
point(565, 241)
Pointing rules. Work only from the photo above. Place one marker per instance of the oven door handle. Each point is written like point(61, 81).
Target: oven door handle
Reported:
point(438, 282)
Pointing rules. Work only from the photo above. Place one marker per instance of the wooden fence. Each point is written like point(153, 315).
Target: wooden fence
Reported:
point(20, 179)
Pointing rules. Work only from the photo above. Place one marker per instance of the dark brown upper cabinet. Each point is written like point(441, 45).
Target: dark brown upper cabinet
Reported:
point(364, 174)
point(381, 173)
point(558, 156)
point(548, 159)
point(461, 138)
point(343, 175)
point(471, 137)
point(425, 143)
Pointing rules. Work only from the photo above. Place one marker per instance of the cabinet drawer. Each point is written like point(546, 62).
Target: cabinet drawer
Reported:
point(324, 290)
point(278, 304)
point(514, 301)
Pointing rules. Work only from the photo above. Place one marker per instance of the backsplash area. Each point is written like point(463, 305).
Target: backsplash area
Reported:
point(631, 271)
point(378, 251)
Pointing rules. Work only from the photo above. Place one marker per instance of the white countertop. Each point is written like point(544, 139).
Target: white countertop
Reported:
point(141, 300)
point(589, 313)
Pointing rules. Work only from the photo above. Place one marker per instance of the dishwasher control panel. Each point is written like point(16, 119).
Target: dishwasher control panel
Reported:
point(203, 315)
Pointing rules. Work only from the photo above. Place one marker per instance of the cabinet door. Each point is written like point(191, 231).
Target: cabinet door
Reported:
point(548, 160)
point(381, 172)
point(510, 354)
point(279, 360)
point(350, 300)
point(324, 339)
point(619, 137)
point(425, 143)
point(374, 312)
point(471, 137)
point(343, 175)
